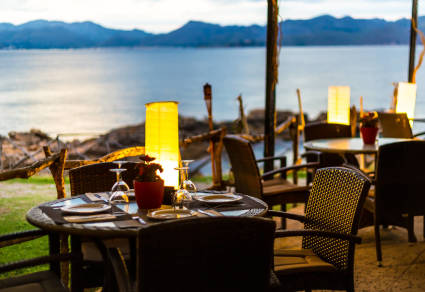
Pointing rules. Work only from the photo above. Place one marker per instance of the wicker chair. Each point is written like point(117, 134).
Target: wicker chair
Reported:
point(396, 125)
point(96, 178)
point(201, 254)
point(323, 130)
point(398, 195)
point(326, 260)
point(248, 180)
point(48, 280)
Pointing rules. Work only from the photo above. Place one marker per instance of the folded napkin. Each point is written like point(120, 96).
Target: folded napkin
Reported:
point(96, 197)
point(89, 218)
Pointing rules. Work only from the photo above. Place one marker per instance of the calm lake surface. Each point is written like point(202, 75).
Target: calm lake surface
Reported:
point(95, 90)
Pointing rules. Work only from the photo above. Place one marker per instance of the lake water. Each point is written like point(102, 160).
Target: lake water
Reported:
point(94, 90)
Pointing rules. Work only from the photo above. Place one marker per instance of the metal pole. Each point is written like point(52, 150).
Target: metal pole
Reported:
point(271, 76)
point(412, 46)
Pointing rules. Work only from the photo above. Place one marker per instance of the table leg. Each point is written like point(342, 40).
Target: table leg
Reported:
point(76, 265)
point(54, 249)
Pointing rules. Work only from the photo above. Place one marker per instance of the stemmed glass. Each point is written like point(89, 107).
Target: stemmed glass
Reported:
point(182, 194)
point(187, 183)
point(120, 188)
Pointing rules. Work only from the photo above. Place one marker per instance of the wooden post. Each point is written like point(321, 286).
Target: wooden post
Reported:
point(244, 129)
point(211, 149)
point(1, 151)
point(295, 137)
point(271, 80)
point(412, 46)
point(57, 169)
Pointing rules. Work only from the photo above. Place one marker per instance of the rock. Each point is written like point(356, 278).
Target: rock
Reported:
point(129, 136)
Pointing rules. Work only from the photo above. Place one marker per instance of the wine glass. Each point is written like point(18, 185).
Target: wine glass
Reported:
point(187, 183)
point(182, 194)
point(119, 189)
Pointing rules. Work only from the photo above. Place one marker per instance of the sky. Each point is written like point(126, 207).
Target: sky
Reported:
point(158, 16)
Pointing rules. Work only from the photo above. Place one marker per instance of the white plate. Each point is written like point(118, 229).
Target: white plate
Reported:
point(166, 214)
point(89, 208)
point(218, 198)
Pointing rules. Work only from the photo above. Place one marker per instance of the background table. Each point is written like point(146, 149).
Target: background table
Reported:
point(348, 145)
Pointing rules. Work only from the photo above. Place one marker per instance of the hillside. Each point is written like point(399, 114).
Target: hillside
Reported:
point(318, 31)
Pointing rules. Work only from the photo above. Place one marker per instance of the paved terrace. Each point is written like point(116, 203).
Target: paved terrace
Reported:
point(403, 262)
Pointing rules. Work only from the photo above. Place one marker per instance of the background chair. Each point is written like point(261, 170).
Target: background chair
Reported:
point(326, 259)
point(249, 181)
point(201, 254)
point(399, 189)
point(396, 125)
point(48, 280)
point(323, 130)
point(97, 178)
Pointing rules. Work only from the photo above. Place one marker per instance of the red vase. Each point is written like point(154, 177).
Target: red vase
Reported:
point(369, 134)
point(149, 195)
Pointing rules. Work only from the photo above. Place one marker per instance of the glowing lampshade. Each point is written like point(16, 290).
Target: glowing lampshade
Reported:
point(162, 138)
point(339, 105)
point(406, 99)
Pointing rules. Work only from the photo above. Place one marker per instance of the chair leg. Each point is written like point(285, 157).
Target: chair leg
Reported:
point(378, 245)
point(283, 220)
point(410, 230)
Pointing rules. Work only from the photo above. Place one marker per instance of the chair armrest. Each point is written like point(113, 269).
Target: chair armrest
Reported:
point(35, 262)
point(313, 165)
point(270, 158)
point(318, 233)
point(18, 237)
point(300, 218)
point(418, 134)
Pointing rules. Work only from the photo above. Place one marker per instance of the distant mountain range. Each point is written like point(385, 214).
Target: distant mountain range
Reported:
point(322, 30)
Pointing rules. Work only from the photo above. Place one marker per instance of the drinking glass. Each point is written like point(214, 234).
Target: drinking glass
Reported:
point(119, 189)
point(182, 194)
point(187, 183)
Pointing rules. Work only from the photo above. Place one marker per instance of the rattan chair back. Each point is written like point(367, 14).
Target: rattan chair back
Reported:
point(335, 202)
point(324, 130)
point(97, 177)
point(395, 125)
point(244, 166)
point(399, 187)
point(206, 254)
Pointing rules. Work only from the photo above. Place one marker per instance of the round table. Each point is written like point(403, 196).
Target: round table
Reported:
point(348, 145)
point(38, 218)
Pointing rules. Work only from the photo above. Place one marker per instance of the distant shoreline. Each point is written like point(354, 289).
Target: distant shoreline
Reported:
point(201, 47)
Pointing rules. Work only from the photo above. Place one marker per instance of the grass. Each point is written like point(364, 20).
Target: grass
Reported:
point(16, 198)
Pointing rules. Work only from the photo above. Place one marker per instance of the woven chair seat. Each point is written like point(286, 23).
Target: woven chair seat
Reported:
point(35, 282)
point(303, 260)
point(283, 186)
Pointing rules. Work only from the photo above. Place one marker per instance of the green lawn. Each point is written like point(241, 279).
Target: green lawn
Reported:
point(16, 198)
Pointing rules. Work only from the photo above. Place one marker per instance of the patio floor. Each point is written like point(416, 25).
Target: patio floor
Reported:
point(403, 262)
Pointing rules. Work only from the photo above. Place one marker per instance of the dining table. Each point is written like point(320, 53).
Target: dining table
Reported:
point(353, 145)
point(125, 220)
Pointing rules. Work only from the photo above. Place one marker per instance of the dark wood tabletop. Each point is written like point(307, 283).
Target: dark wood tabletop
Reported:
point(37, 217)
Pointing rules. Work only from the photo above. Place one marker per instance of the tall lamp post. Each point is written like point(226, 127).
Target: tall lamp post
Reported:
point(412, 46)
point(271, 80)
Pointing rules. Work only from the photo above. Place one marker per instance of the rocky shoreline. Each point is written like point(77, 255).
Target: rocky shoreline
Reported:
point(23, 148)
